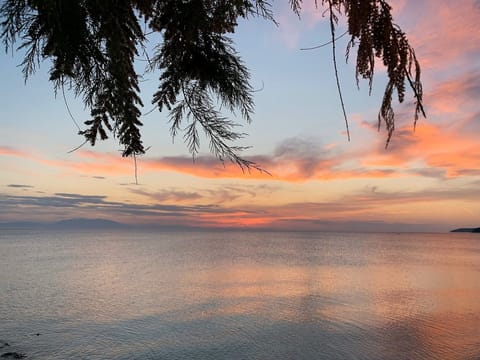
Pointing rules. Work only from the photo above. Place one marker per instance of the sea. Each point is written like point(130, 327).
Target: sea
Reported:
point(132, 294)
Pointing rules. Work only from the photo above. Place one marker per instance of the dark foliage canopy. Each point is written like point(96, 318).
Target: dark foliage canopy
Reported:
point(93, 45)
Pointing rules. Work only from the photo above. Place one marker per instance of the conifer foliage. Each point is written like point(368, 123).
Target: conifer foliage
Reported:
point(93, 45)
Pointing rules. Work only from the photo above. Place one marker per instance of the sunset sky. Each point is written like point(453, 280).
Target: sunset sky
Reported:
point(427, 180)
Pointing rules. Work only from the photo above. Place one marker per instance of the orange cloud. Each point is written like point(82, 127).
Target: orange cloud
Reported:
point(441, 148)
point(294, 160)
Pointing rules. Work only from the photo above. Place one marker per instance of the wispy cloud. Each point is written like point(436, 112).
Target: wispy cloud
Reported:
point(363, 208)
point(444, 32)
point(64, 205)
point(224, 194)
point(9, 151)
point(170, 195)
point(455, 96)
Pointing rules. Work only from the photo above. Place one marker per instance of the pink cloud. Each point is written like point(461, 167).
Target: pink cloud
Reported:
point(455, 96)
point(444, 33)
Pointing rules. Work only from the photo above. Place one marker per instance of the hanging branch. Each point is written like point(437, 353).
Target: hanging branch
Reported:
point(89, 47)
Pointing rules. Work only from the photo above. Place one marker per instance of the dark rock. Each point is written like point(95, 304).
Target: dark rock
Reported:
point(13, 355)
point(470, 230)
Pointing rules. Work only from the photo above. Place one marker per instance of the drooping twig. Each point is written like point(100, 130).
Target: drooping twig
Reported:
point(74, 121)
point(259, 89)
point(78, 147)
point(68, 109)
point(150, 111)
point(332, 31)
point(325, 44)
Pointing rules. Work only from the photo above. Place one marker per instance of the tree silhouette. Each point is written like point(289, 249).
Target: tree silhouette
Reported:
point(93, 45)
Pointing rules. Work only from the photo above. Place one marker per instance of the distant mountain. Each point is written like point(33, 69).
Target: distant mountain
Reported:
point(65, 224)
point(86, 224)
point(469, 230)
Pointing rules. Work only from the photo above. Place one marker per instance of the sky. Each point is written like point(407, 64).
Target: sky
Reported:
point(426, 180)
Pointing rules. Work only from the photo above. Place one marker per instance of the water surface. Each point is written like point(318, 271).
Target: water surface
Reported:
point(239, 295)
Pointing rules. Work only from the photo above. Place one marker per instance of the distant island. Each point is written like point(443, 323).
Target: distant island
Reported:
point(469, 230)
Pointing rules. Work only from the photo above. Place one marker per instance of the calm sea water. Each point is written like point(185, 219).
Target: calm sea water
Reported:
point(239, 295)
